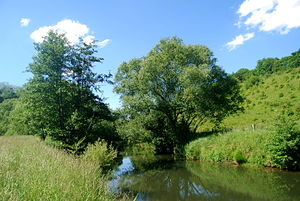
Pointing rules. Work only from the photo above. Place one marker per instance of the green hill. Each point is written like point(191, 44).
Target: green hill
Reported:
point(266, 97)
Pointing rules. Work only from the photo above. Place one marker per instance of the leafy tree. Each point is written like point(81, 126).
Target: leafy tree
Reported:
point(284, 144)
point(292, 61)
point(267, 66)
point(176, 87)
point(242, 74)
point(7, 92)
point(59, 97)
point(6, 107)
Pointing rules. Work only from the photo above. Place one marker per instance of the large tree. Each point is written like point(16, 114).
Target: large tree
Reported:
point(60, 97)
point(174, 89)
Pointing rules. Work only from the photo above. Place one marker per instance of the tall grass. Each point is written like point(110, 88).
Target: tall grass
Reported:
point(239, 146)
point(31, 170)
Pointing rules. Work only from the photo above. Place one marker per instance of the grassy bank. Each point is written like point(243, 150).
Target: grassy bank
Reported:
point(31, 170)
point(240, 146)
point(278, 146)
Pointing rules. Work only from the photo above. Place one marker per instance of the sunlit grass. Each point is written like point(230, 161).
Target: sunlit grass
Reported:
point(31, 170)
point(275, 94)
point(240, 146)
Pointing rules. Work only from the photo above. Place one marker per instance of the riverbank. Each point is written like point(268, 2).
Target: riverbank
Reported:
point(262, 148)
point(240, 147)
point(31, 170)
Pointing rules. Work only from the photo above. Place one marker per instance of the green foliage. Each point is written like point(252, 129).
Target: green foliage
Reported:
point(274, 94)
point(143, 149)
point(241, 74)
point(240, 146)
point(59, 99)
point(252, 81)
point(100, 153)
point(31, 170)
point(76, 148)
point(8, 92)
point(171, 87)
point(292, 61)
point(284, 144)
point(239, 157)
point(267, 66)
point(18, 120)
point(6, 107)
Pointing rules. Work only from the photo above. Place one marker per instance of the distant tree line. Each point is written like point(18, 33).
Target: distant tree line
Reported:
point(268, 66)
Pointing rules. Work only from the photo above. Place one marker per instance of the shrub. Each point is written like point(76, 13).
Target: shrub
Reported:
point(100, 153)
point(239, 157)
point(284, 145)
point(254, 80)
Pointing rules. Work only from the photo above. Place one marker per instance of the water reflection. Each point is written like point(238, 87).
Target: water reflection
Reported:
point(164, 179)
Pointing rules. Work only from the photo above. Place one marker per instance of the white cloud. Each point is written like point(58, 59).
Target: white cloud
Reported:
point(270, 15)
point(88, 39)
point(239, 40)
point(103, 43)
point(24, 22)
point(72, 29)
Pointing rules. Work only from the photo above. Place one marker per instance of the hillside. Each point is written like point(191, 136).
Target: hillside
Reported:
point(267, 97)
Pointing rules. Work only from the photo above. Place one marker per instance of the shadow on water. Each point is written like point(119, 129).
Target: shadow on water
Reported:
point(163, 179)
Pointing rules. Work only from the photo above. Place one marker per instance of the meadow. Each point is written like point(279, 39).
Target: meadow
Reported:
point(32, 170)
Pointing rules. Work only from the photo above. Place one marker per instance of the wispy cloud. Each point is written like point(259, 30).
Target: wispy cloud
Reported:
point(24, 22)
point(103, 43)
point(239, 40)
point(73, 30)
point(270, 15)
point(266, 15)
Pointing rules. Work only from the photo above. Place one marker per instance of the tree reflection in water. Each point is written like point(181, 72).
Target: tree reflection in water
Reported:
point(163, 179)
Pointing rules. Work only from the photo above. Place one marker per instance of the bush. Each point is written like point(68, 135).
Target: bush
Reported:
point(100, 153)
point(284, 146)
point(239, 157)
point(254, 80)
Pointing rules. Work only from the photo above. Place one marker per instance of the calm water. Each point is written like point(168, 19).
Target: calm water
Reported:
point(163, 179)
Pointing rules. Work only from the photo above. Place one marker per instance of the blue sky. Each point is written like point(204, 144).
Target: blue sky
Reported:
point(239, 32)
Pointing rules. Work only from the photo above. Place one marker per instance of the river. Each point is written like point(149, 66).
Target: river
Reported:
point(165, 179)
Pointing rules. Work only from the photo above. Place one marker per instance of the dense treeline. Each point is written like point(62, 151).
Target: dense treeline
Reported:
point(267, 66)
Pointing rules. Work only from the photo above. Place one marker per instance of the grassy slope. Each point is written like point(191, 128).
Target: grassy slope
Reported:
point(273, 95)
point(31, 170)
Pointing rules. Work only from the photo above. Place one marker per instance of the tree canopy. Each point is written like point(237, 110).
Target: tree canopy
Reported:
point(60, 97)
point(174, 89)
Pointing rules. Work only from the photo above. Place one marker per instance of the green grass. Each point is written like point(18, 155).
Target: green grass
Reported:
point(273, 95)
point(241, 146)
point(31, 170)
